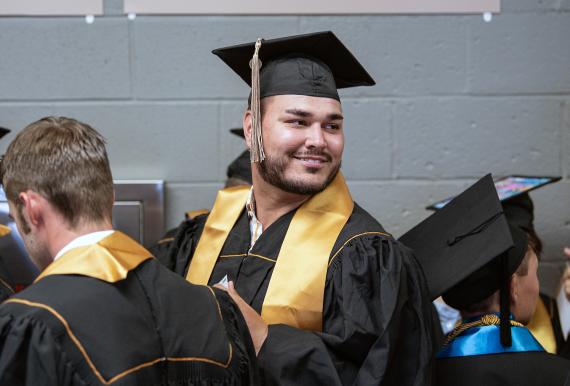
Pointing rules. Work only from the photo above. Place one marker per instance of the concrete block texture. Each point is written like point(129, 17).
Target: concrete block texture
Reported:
point(16, 116)
point(173, 59)
point(64, 58)
point(368, 139)
point(231, 146)
point(520, 53)
point(450, 138)
point(552, 223)
point(566, 139)
point(405, 55)
point(185, 197)
point(155, 140)
point(113, 7)
point(400, 205)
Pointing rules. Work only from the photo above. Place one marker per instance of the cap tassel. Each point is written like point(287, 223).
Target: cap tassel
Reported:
point(505, 314)
point(257, 153)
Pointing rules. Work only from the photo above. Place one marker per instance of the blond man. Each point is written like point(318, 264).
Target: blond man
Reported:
point(101, 311)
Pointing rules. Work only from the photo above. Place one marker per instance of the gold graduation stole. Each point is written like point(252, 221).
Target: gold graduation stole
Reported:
point(540, 326)
point(4, 230)
point(296, 290)
point(110, 260)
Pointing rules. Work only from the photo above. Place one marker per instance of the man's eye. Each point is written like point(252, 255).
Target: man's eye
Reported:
point(332, 126)
point(297, 122)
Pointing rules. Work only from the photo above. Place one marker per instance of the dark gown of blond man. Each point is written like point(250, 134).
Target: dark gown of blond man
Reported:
point(102, 311)
point(6, 289)
point(330, 297)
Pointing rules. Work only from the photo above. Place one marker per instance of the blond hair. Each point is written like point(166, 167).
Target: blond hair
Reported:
point(65, 161)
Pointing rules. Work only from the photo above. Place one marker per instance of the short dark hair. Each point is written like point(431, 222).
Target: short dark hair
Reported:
point(65, 161)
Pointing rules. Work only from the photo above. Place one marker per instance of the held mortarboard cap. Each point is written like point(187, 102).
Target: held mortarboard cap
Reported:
point(315, 64)
point(513, 190)
point(466, 234)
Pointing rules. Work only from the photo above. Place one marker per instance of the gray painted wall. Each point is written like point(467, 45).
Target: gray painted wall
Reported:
point(455, 98)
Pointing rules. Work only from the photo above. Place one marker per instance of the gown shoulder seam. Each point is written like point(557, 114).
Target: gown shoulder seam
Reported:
point(352, 238)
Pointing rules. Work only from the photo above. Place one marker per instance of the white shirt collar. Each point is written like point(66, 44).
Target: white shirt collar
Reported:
point(255, 227)
point(81, 241)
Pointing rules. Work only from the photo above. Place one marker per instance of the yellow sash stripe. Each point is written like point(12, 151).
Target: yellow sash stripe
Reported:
point(4, 230)
point(296, 290)
point(109, 260)
point(227, 208)
point(540, 326)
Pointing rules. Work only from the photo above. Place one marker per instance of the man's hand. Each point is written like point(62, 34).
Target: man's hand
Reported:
point(566, 275)
point(257, 327)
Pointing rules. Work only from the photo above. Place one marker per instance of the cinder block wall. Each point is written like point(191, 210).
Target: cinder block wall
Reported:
point(455, 98)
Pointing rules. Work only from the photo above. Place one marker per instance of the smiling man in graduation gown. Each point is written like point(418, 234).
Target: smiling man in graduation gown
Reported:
point(102, 312)
point(330, 297)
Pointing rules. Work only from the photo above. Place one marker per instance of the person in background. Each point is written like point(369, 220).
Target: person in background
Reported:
point(491, 345)
point(6, 289)
point(239, 170)
point(329, 296)
point(101, 311)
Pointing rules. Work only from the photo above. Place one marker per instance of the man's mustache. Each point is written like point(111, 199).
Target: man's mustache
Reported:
point(310, 153)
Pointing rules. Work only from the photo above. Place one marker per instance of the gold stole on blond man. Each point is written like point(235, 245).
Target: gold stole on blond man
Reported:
point(296, 290)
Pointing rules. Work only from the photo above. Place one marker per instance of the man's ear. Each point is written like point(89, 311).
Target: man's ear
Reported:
point(247, 127)
point(32, 208)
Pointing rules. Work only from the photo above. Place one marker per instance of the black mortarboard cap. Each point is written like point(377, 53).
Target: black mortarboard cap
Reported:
point(238, 131)
point(240, 168)
point(488, 279)
point(3, 132)
point(315, 64)
point(457, 240)
point(493, 276)
point(520, 211)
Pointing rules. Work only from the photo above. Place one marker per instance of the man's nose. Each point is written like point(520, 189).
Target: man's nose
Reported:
point(315, 137)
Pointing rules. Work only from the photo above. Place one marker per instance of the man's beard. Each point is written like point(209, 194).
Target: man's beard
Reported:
point(272, 170)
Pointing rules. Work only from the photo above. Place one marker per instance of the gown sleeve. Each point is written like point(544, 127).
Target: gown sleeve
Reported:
point(178, 244)
point(379, 327)
point(5, 290)
point(30, 356)
point(238, 333)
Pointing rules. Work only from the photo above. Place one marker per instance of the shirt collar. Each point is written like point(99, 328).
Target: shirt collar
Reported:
point(255, 227)
point(87, 239)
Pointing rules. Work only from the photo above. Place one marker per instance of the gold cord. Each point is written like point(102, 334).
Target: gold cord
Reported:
point(486, 320)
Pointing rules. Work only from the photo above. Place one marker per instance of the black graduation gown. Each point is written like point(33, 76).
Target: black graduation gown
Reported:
point(517, 369)
point(378, 324)
point(5, 290)
point(77, 330)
